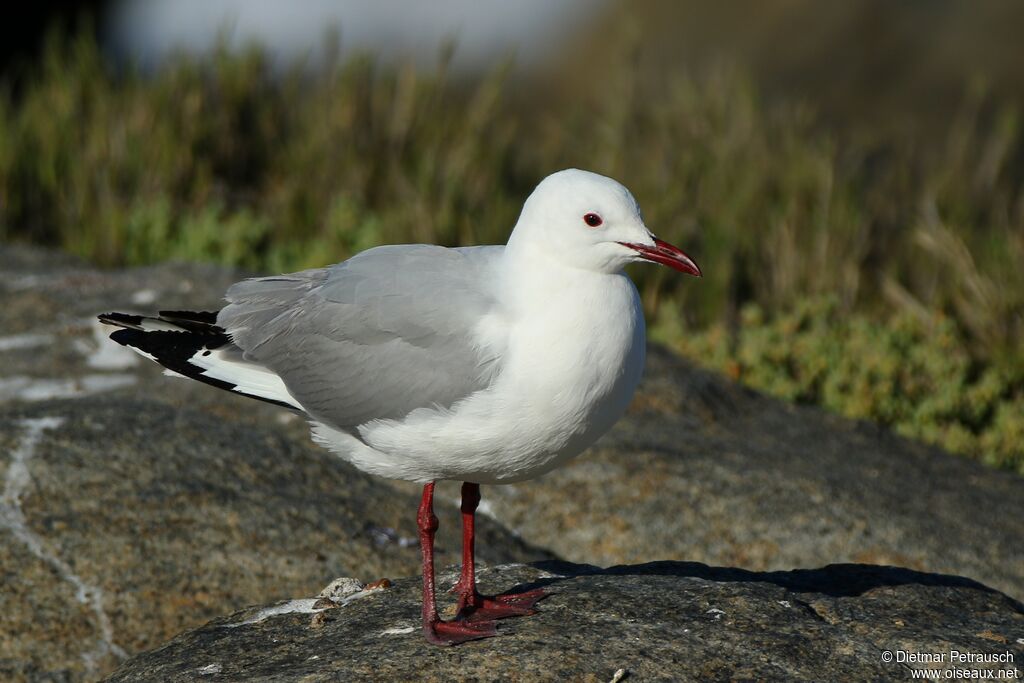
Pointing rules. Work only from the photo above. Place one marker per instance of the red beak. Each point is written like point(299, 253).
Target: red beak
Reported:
point(667, 255)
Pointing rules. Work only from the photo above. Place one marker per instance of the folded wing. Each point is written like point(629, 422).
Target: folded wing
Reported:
point(390, 330)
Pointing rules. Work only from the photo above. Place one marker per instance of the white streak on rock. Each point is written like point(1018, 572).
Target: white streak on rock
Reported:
point(297, 606)
point(397, 631)
point(12, 518)
point(484, 507)
point(24, 341)
point(104, 353)
point(210, 669)
point(300, 606)
point(21, 282)
point(143, 297)
point(24, 388)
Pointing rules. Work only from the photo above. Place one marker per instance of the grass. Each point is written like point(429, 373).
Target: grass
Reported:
point(878, 276)
point(914, 375)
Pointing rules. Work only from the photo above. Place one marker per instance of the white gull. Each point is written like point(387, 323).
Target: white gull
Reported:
point(486, 365)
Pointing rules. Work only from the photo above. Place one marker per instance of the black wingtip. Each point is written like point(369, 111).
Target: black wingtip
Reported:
point(126, 320)
point(200, 322)
point(205, 317)
point(191, 333)
point(203, 322)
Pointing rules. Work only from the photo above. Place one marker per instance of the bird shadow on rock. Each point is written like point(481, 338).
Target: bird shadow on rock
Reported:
point(834, 580)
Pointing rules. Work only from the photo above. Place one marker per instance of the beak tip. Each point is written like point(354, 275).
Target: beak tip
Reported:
point(667, 255)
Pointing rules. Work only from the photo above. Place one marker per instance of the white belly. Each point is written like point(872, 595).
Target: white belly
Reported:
point(559, 390)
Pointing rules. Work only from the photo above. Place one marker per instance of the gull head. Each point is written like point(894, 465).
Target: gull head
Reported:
point(590, 221)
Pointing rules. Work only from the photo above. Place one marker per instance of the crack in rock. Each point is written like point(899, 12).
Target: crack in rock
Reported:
point(12, 518)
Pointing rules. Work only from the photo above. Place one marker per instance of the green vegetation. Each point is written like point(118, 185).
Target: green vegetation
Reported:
point(915, 375)
point(878, 277)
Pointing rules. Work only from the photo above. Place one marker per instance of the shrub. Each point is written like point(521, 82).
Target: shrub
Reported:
point(912, 374)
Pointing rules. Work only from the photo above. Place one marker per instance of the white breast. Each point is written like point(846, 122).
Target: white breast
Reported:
point(570, 369)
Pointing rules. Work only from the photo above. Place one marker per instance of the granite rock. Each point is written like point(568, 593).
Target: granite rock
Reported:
point(663, 621)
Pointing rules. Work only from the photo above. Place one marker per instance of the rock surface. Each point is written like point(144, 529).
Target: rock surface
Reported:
point(667, 621)
point(136, 506)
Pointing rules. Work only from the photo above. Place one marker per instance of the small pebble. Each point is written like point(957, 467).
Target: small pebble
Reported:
point(341, 588)
point(324, 603)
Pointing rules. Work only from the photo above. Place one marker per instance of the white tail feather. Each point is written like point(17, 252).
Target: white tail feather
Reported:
point(248, 378)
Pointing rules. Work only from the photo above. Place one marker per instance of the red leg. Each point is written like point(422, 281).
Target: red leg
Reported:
point(466, 587)
point(436, 631)
point(473, 606)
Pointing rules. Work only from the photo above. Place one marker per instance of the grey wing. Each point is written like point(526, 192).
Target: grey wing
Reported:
point(375, 337)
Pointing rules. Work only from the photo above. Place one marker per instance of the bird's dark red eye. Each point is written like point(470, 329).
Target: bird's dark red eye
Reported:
point(593, 220)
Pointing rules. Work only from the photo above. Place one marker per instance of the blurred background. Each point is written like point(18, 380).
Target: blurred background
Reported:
point(849, 175)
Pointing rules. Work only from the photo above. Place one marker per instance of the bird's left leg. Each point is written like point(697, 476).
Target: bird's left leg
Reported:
point(435, 630)
point(472, 605)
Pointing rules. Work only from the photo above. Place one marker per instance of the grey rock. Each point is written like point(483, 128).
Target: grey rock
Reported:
point(171, 516)
point(664, 621)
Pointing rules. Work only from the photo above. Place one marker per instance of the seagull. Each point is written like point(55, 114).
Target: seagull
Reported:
point(484, 365)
